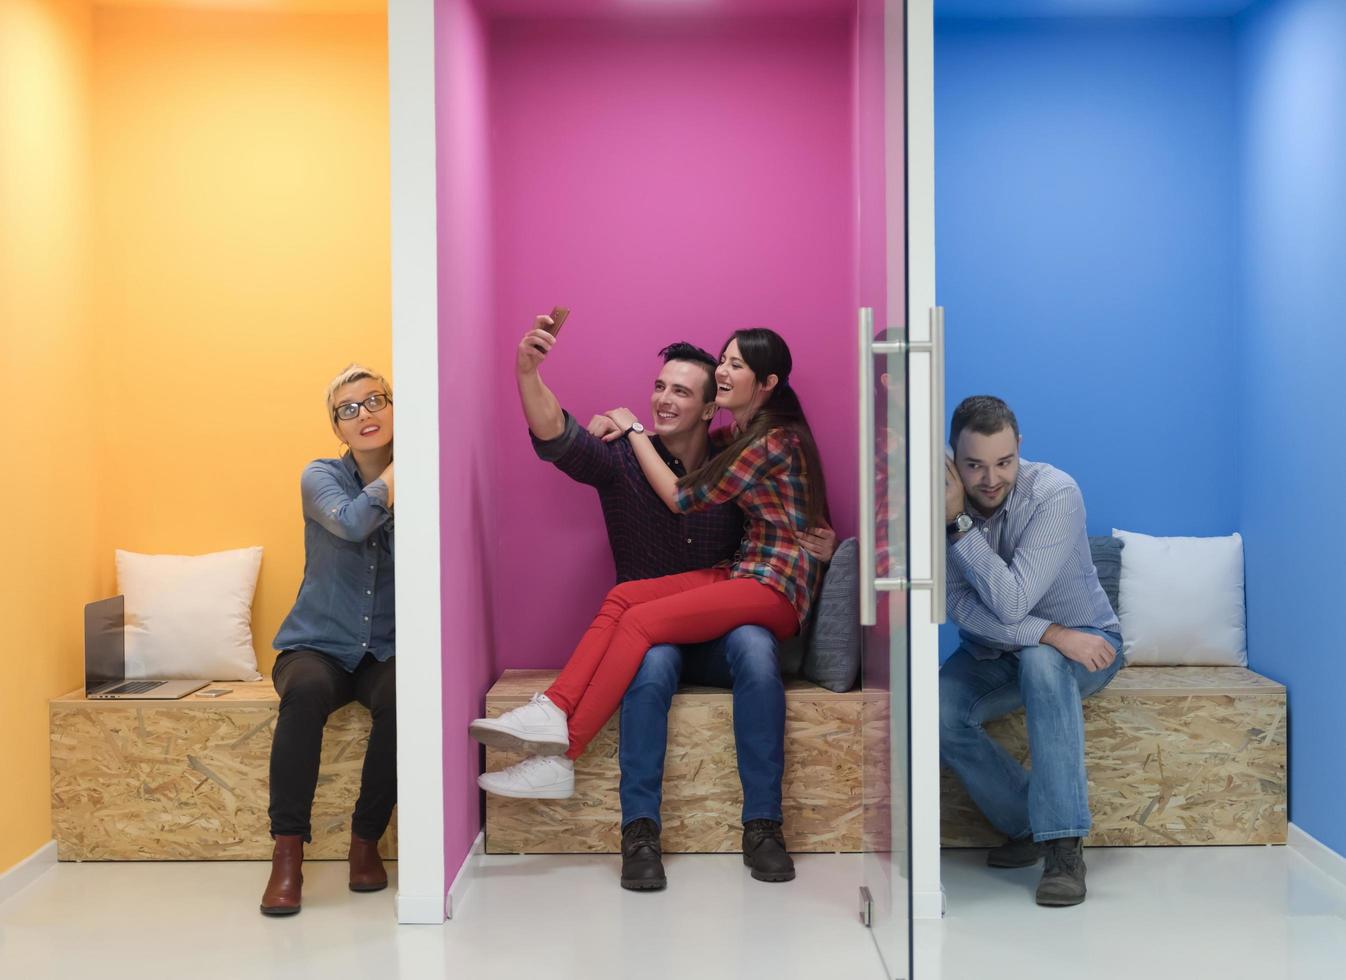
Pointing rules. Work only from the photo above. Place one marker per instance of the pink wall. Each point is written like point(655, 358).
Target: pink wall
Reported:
point(666, 182)
point(468, 383)
point(667, 179)
point(871, 161)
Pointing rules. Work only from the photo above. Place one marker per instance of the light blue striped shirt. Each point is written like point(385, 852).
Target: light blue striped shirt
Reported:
point(1026, 567)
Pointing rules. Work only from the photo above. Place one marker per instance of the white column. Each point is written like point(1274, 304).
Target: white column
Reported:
point(415, 259)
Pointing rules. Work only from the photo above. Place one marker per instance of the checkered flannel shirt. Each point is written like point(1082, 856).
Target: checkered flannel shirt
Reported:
point(647, 539)
point(768, 483)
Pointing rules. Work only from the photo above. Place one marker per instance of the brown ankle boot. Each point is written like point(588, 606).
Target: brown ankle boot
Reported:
point(367, 874)
point(283, 890)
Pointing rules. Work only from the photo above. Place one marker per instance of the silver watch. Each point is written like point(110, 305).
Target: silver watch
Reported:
point(634, 427)
point(961, 524)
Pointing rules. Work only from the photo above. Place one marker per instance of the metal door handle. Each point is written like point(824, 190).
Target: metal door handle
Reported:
point(870, 583)
point(868, 598)
point(938, 520)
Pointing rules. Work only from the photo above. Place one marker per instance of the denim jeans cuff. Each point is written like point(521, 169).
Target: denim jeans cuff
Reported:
point(763, 815)
point(1058, 834)
point(628, 819)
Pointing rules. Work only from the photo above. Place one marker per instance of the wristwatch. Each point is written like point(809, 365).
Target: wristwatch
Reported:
point(634, 427)
point(960, 524)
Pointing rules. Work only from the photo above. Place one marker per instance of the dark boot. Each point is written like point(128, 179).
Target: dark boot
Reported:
point(642, 857)
point(764, 851)
point(282, 895)
point(367, 874)
point(1021, 852)
point(1063, 874)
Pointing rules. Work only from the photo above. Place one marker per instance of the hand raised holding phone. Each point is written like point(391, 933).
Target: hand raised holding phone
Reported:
point(544, 414)
point(555, 319)
point(535, 346)
point(537, 343)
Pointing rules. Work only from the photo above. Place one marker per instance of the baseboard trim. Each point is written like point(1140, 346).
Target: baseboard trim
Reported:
point(1318, 854)
point(27, 871)
point(467, 873)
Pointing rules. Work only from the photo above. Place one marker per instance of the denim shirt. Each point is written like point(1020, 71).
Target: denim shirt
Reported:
point(345, 606)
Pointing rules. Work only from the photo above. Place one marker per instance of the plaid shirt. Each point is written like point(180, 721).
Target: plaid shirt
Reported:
point(767, 481)
point(647, 539)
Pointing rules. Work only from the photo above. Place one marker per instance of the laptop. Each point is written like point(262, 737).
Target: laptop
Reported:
point(105, 659)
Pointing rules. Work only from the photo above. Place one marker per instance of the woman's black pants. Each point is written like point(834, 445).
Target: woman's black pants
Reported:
point(312, 686)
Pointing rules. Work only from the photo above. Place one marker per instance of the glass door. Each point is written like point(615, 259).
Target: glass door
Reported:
point(901, 423)
point(885, 893)
point(886, 644)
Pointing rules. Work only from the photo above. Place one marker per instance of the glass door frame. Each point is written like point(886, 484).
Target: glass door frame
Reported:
point(909, 271)
point(926, 428)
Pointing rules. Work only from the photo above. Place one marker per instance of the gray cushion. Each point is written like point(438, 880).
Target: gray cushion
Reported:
point(832, 643)
point(1106, 552)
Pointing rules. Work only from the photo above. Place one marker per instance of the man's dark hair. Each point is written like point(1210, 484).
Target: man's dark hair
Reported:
point(683, 351)
point(983, 414)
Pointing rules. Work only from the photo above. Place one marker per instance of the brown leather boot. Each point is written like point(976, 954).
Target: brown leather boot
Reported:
point(283, 890)
point(367, 874)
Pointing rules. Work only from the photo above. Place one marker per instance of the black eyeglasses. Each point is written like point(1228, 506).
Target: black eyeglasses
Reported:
point(376, 402)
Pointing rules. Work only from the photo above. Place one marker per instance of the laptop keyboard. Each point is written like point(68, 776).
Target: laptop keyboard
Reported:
point(133, 687)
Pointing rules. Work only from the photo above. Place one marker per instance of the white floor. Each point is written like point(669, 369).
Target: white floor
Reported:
point(1212, 913)
point(1228, 913)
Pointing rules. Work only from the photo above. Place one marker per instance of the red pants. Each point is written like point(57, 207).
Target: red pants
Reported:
point(687, 608)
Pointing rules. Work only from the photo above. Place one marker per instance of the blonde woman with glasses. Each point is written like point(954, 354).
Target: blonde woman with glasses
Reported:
point(337, 644)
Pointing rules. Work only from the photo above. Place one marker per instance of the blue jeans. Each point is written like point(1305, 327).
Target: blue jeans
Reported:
point(1052, 800)
point(744, 660)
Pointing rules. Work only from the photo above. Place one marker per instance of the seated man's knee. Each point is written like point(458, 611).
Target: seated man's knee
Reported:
point(659, 673)
point(953, 707)
point(752, 654)
point(1043, 666)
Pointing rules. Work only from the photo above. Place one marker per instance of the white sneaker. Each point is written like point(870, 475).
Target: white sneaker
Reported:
point(538, 727)
point(535, 778)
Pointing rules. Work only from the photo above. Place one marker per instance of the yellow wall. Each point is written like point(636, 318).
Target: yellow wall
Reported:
point(242, 246)
point(193, 240)
point(50, 567)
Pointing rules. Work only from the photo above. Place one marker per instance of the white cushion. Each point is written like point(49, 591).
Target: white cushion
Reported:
point(190, 616)
point(1182, 601)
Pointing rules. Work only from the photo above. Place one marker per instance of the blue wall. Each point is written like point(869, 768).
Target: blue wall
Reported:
point(1292, 101)
point(1086, 197)
point(1142, 246)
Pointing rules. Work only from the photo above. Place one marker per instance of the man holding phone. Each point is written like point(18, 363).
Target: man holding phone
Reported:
point(649, 541)
point(1037, 632)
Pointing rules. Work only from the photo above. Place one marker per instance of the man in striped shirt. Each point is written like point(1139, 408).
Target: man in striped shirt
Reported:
point(1037, 632)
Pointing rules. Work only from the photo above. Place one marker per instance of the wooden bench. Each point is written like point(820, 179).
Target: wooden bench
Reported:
point(1175, 755)
point(703, 800)
point(187, 779)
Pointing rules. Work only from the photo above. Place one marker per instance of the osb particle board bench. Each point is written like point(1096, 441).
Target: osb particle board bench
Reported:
point(187, 779)
point(1175, 755)
point(703, 800)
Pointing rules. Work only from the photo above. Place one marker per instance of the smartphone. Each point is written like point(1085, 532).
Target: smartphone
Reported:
point(216, 692)
point(558, 317)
